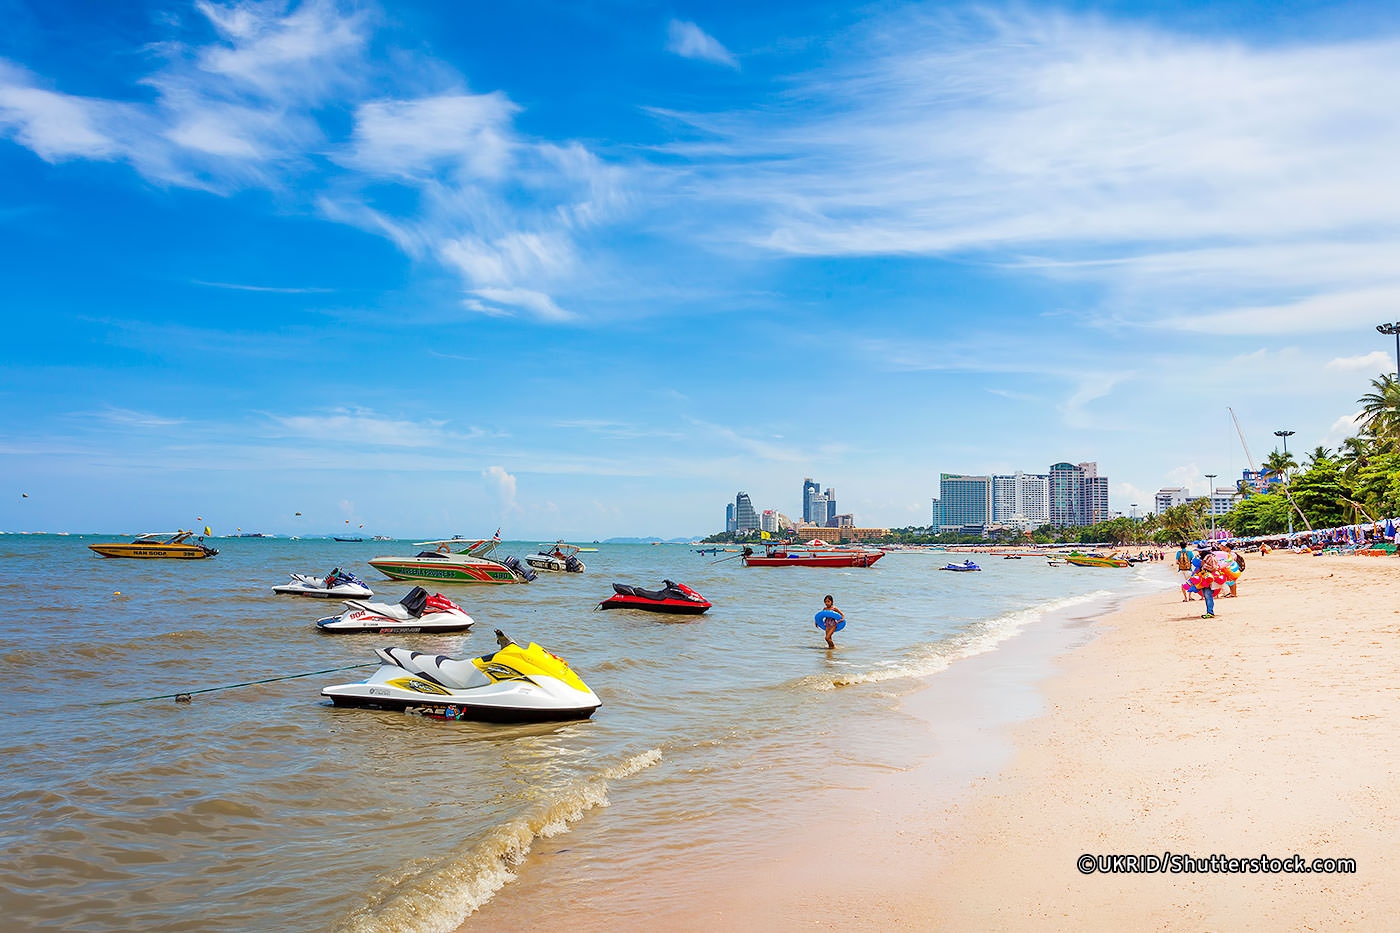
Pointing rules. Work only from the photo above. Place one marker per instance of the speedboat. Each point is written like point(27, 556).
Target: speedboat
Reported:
point(1095, 560)
point(810, 555)
point(514, 684)
point(964, 567)
point(338, 584)
point(456, 560)
point(416, 612)
point(675, 598)
point(157, 545)
point(562, 558)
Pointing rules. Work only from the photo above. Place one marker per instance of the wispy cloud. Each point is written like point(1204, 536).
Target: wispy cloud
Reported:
point(690, 41)
point(263, 106)
point(1136, 157)
point(1374, 362)
point(272, 289)
point(127, 418)
point(366, 428)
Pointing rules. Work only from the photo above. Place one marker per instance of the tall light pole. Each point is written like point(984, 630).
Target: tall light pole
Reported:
point(1210, 498)
point(1393, 329)
point(1287, 434)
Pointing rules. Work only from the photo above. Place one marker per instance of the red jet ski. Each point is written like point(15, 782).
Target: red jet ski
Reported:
point(673, 597)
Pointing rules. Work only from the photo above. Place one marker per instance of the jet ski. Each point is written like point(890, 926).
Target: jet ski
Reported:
point(514, 684)
point(672, 597)
point(338, 584)
point(964, 567)
point(416, 612)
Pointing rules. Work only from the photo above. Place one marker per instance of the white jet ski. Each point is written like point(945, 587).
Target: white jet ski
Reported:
point(416, 612)
point(338, 584)
point(514, 684)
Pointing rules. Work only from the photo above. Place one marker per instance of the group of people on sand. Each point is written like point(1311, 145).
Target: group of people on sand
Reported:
point(1207, 573)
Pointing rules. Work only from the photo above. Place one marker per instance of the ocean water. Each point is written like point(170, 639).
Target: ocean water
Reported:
point(264, 807)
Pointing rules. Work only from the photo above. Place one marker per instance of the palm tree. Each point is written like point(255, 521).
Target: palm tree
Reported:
point(1278, 462)
point(1380, 410)
point(1319, 454)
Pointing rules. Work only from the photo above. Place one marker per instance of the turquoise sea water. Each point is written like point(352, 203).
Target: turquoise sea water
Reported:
point(264, 807)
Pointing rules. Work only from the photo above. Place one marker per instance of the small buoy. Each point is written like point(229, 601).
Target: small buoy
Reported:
point(183, 698)
point(117, 593)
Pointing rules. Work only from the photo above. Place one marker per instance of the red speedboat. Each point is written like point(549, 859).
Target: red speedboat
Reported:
point(781, 556)
point(673, 597)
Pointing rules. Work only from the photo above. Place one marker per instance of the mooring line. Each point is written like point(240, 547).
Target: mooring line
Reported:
point(186, 694)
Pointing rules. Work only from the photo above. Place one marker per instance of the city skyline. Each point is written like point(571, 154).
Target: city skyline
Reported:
point(584, 271)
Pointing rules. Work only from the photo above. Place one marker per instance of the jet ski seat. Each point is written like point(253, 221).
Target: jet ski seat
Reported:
point(453, 673)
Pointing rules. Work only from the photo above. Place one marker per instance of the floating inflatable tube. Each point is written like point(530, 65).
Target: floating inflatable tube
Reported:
point(825, 615)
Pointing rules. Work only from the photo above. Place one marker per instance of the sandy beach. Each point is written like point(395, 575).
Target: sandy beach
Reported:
point(1268, 731)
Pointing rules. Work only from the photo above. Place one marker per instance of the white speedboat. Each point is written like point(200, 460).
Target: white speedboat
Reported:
point(416, 612)
point(561, 558)
point(338, 584)
point(514, 684)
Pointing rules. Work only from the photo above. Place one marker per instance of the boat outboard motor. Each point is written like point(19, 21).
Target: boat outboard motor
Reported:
point(514, 564)
point(414, 602)
point(573, 564)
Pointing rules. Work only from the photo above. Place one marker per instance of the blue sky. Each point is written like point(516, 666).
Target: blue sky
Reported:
point(586, 270)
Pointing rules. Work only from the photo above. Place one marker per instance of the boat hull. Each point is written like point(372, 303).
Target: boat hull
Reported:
point(857, 559)
point(444, 571)
point(153, 551)
point(1097, 562)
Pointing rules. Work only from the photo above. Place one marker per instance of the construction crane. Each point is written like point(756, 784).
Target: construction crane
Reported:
point(1250, 457)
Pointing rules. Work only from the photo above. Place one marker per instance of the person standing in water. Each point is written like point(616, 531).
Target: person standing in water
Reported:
point(830, 621)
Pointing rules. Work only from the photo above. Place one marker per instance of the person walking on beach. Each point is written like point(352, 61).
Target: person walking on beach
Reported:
point(831, 618)
point(1183, 564)
point(1208, 571)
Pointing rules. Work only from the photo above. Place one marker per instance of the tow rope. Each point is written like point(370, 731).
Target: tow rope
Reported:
point(184, 696)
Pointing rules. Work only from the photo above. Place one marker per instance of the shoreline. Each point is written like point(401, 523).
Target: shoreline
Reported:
point(780, 875)
point(1266, 731)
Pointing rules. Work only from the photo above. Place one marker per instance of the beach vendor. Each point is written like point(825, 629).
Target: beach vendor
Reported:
point(830, 620)
point(1233, 569)
point(1208, 580)
point(1183, 566)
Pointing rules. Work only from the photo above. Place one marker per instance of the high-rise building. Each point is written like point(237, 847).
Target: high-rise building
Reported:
point(768, 520)
point(935, 518)
point(819, 509)
point(1169, 497)
point(1021, 500)
point(964, 501)
point(729, 518)
point(745, 518)
point(828, 518)
point(1094, 495)
point(810, 488)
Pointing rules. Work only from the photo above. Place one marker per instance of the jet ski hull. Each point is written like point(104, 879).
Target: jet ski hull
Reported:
point(514, 684)
point(672, 606)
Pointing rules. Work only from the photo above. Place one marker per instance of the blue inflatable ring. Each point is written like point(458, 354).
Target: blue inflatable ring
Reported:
point(821, 619)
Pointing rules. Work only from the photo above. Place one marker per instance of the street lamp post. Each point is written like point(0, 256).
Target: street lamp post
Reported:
point(1210, 498)
point(1393, 329)
point(1287, 434)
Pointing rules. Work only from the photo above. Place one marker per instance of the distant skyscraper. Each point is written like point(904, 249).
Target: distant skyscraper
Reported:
point(768, 520)
point(965, 501)
point(1021, 500)
point(818, 509)
point(810, 488)
point(829, 519)
point(745, 518)
point(1078, 495)
point(729, 518)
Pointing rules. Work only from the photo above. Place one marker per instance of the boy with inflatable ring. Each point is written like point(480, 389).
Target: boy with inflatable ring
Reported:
point(830, 619)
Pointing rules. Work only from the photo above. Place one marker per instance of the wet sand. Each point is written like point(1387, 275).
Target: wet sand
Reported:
point(1270, 730)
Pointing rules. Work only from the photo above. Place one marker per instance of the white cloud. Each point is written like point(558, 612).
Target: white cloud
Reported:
point(1376, 361)
point(504, 486)
point(466, 134)
point(364, 428)
point(690, 41)
point(1156, 164)
point(537, 303)
point(1344, 427)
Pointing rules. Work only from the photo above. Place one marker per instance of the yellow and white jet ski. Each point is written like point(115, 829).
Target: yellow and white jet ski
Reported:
point(514, 684)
